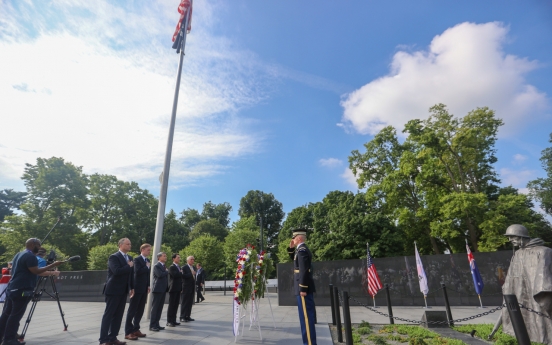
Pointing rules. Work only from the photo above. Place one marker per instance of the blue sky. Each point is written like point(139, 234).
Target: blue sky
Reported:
point(274, 94)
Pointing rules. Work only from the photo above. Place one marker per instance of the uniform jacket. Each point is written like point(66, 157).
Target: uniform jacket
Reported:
point(175, 278)
point(120, 277)
point(160, 278)
point(141, 275)
point(302, 269)
point(188, 278)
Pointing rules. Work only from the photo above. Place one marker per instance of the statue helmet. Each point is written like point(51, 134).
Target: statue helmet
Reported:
point(517, 230)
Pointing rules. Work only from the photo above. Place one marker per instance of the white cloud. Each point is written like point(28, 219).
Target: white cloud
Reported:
point(519, 158)
point(93, 82)
point(350, 178)
point(330, 162)
point(465, 67)
point(516, 178)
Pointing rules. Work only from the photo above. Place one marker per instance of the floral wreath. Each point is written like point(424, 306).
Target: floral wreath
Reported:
point(243, 286)
point(250, 282)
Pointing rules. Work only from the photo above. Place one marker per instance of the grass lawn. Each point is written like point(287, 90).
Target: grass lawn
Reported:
point(483, 331)
point(364, 333)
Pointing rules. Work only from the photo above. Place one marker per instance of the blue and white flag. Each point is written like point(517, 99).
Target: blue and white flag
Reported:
point(421, 273)
point(477, 281)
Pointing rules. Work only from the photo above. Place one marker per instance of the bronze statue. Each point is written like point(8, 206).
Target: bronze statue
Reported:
point(530, 279)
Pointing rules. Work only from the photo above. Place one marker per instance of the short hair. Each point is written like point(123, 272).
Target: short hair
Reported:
point(198, 264)
point(121, 241)
point(160, 254)
point(190, 257)
point(144, 246)
point(175, 255)
point(41, 251)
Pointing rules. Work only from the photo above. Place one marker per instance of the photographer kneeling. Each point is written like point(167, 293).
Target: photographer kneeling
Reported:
point(21, 288)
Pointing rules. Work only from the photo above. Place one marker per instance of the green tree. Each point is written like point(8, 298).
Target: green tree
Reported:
point(99, 255)
point(458, 155)
point(54, 188)
point(10, 200)
point(391, 173)
point(209, 227)
point(120, 209)
point(206, 250)
point(268, 213)
point(220, 212)
point(342, 224)
point(244, 232)
point(175, 234)
point(511, 208)
point(541, 188)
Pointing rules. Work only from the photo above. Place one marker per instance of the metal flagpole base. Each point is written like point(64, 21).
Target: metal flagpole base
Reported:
point(480, 303)
point(425, 301)
point(374, 299)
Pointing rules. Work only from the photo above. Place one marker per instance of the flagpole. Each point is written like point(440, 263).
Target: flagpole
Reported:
point(167, 165)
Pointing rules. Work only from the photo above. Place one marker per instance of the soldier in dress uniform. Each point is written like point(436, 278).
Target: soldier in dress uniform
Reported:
point(304, 284)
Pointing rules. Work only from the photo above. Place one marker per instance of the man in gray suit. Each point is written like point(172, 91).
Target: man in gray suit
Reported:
point(160, 286)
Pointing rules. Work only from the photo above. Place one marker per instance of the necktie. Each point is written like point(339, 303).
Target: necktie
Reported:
point(126, 258)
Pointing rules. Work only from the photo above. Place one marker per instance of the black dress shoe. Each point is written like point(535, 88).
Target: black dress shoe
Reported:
point(183, 319)
point(189, 319)
point(161, 328)
point(154, 329)
point(176, 323)
point(170, 324)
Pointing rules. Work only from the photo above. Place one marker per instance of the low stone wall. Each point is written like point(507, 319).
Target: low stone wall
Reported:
point(402, 276)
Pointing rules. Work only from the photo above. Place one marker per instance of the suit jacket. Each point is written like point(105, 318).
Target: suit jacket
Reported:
point(120, 279)
point(188, 278)
point(175, 278)
point(160, 278)
point(141, 275)
point(200, 277)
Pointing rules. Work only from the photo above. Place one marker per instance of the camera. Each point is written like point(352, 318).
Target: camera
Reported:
point(51, 257)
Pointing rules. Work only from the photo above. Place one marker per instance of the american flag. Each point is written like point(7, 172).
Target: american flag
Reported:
point(374, 282)
point(183, 8)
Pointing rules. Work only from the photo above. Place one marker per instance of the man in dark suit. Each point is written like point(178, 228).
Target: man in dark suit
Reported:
point(120, 281)
point(159, 290)
point(200, 281)
point(188, 289)
point(141, 289)
point(175, 289)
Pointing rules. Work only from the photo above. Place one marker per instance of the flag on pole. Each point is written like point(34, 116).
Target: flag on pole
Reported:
point(184, 7)
point(374, 282)
point(477, 281)
point(421, 273)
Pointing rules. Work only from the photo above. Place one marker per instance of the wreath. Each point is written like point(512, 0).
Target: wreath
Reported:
point(263, 268)
point(243, 282)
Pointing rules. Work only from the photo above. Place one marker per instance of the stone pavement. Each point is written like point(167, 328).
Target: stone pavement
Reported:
point(213, 323)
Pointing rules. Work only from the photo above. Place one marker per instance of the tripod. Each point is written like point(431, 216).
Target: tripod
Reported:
point(37, 295)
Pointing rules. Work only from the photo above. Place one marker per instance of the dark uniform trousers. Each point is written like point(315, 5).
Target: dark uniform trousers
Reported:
point(112, 317)
point(157, 308)
point(307, 318)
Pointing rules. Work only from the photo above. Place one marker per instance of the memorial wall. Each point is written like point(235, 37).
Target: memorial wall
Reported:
point(402, 276)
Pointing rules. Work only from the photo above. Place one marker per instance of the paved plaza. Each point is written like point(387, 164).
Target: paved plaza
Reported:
point(213, 323)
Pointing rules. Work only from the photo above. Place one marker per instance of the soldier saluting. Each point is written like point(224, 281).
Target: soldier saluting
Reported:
point(304, 284)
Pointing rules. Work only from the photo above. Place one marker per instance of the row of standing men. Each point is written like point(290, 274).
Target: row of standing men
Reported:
point(127, 275)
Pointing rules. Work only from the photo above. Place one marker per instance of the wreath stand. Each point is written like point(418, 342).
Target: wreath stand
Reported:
point(254, 321)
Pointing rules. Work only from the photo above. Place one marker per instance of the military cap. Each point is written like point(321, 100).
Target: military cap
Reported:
point(299, 230)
